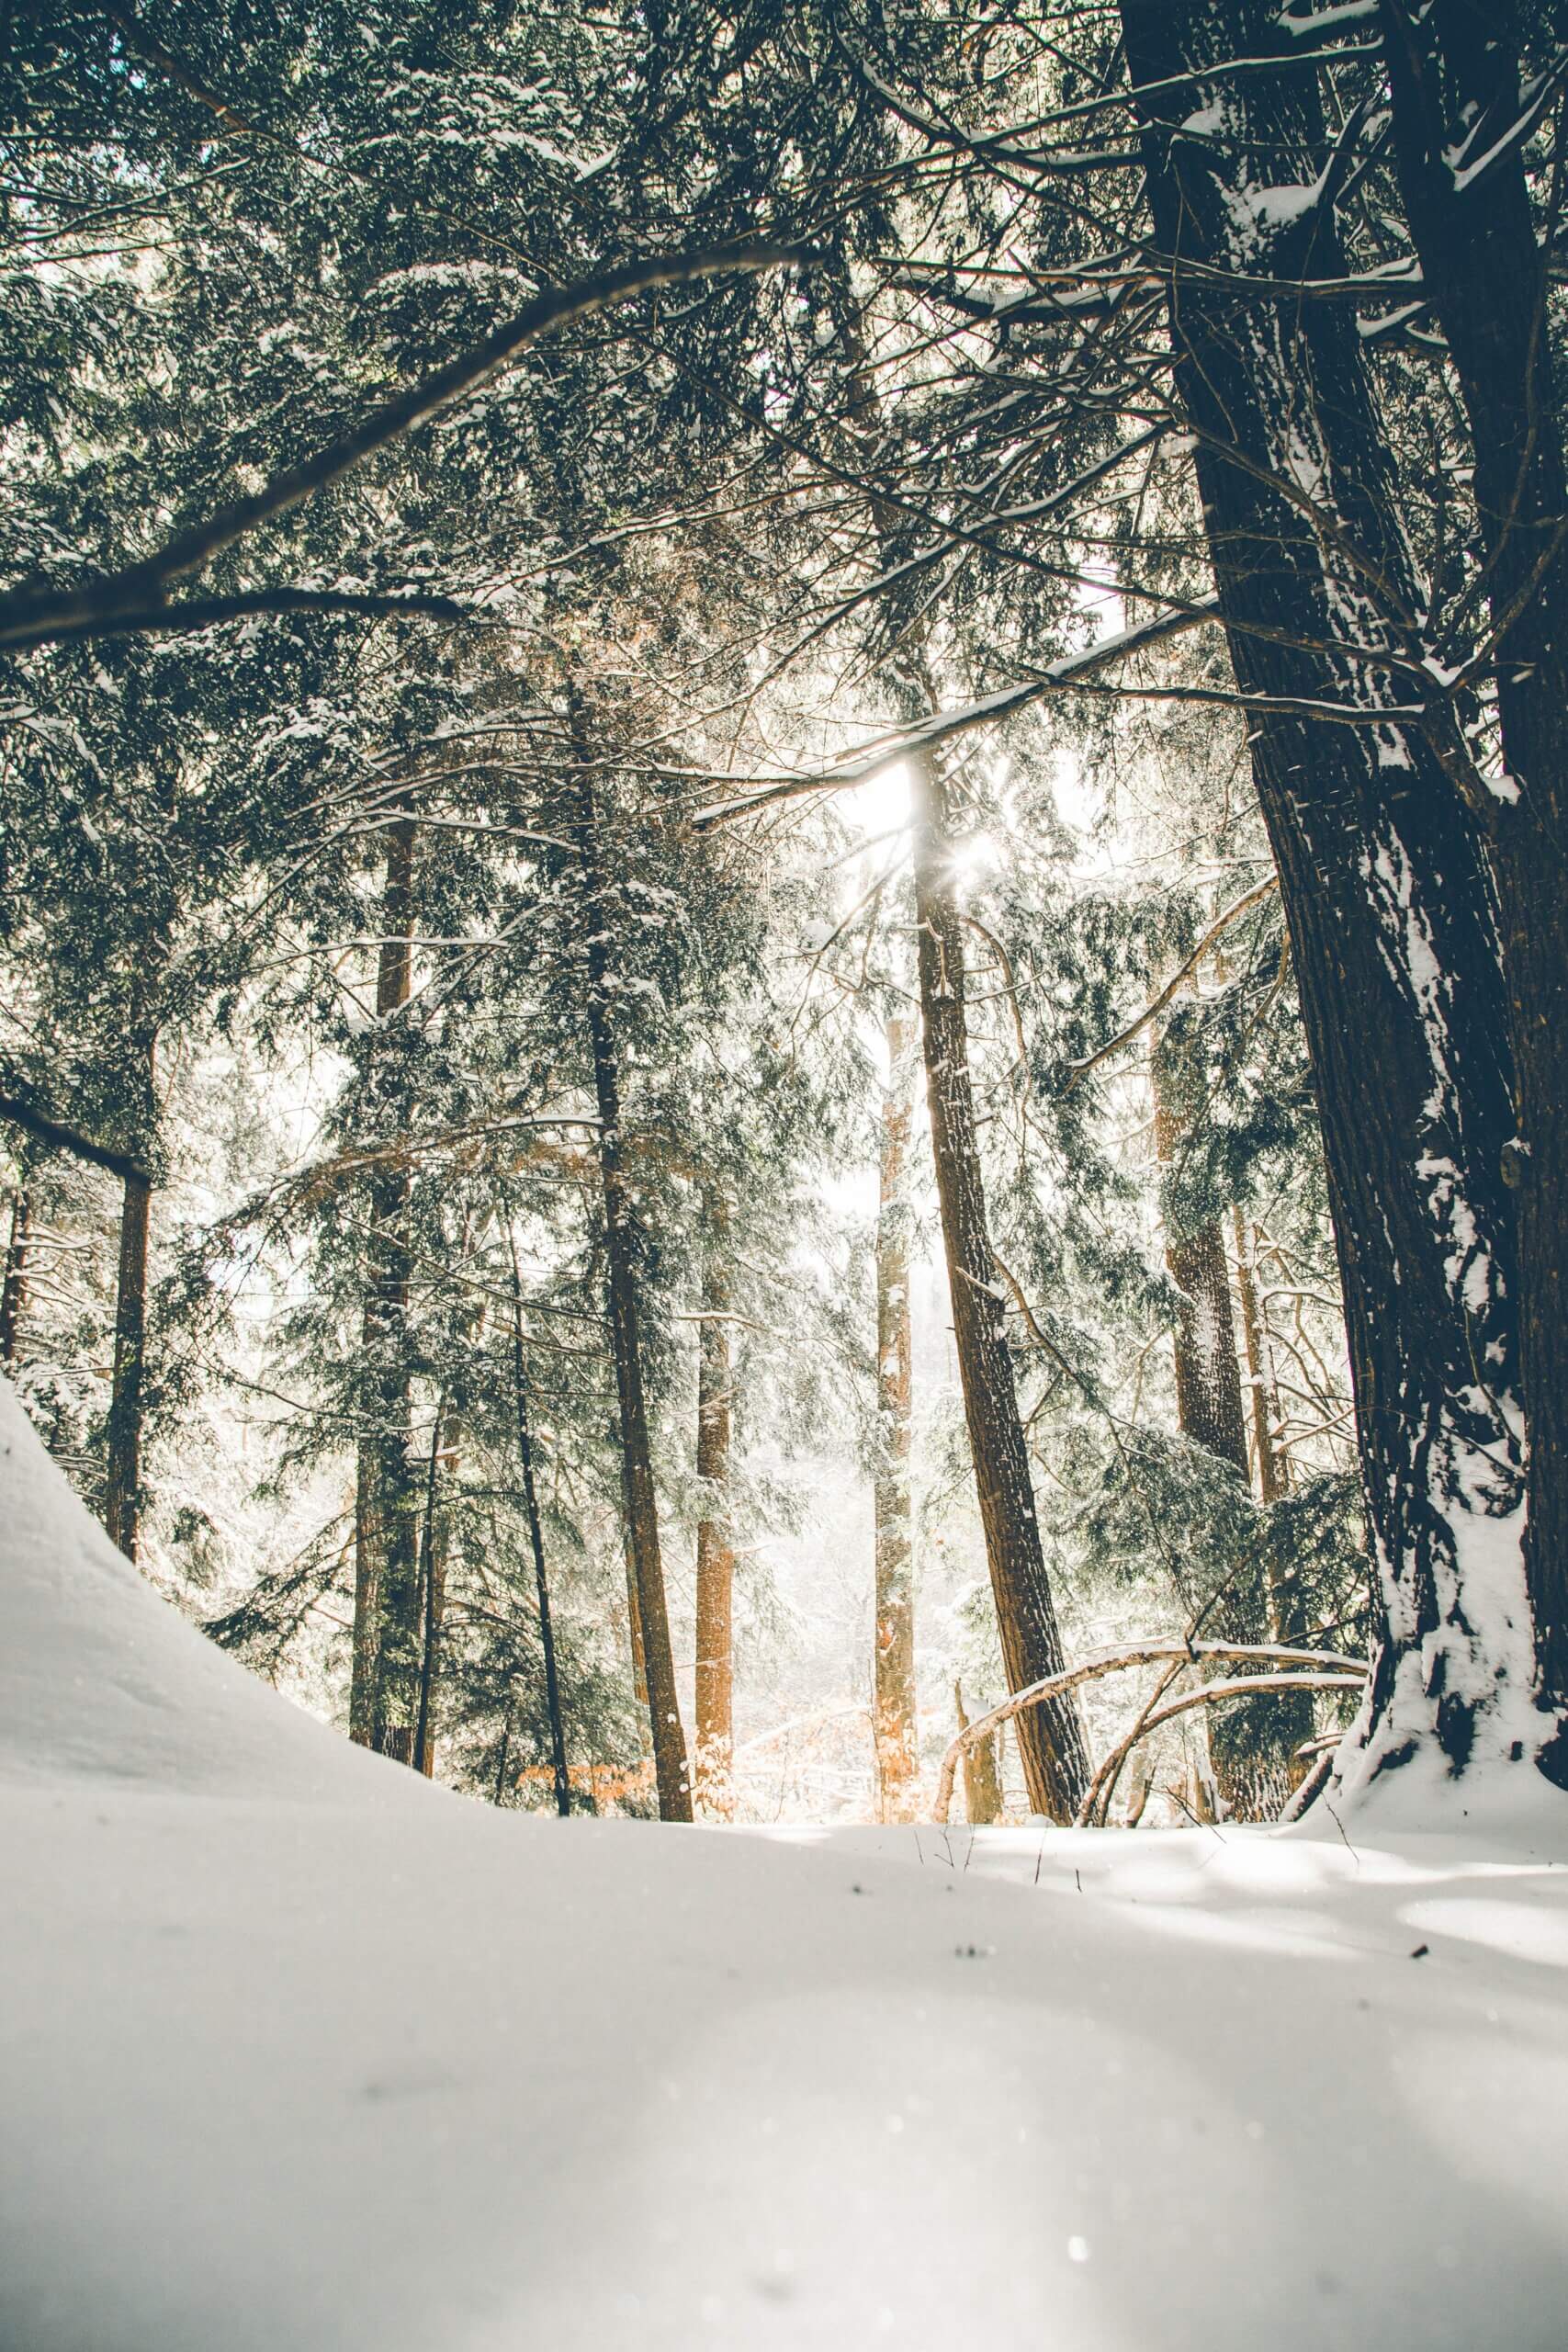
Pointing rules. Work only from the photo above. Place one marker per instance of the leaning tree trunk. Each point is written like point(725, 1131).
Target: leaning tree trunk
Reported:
point(14, 1292)
point(639, 1493)
point(895, 1716)
point(1050, 1737)
point(1251, 1743)
point(388, 1646)
point(122, 1484)
point(714, 1758)
point(1454, 74)
point(1381, 869)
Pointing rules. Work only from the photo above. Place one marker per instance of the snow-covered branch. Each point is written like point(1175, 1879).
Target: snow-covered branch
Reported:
point(1350, 1672)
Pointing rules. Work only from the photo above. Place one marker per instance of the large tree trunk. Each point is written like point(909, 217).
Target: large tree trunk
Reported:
point(14, 1293)
point(895, 1720)
point(716, 1555)
point(639, 1493)
point(1382, 878)
point(1050, 1737)
point(387, 1649)
point(1454, 74)
point(122, 1484)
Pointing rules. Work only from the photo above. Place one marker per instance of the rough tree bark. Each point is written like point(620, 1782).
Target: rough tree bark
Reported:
point(1454, 70)
point(387, 1645)
point(1051, 1741)
point(894, 1715)
point(639, 1497)
point(122, 1483)
point(1273, 1467)
point(14, 1292)
point(714, 1755)
point(1381, 869)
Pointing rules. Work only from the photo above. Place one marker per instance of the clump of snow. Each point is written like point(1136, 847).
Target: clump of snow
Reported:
point(298, 2050)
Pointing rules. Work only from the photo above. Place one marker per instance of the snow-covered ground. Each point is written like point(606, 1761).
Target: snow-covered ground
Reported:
point(300, 2051)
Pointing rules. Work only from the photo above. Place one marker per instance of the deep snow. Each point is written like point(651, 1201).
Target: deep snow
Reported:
point(300, 2051)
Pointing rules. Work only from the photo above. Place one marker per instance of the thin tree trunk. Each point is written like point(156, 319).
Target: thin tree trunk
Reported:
point(896, 1717)
point(1454, 75)
point(122, 1485)
point(1273, 1470)
point(366, 1641)
point(1249, 1748)
point(432, 1596)
point(561, 1769)
point(1051, 1742)
point(1382, 875)
point(982, 1776)
point(1208, 1379)
point(639, 1493)
point(387, 1649)
point(14, 1293)
point(715, 1555)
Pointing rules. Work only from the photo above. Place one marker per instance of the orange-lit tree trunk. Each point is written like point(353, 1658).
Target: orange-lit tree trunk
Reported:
point(716, 1555)
point(982, 1769)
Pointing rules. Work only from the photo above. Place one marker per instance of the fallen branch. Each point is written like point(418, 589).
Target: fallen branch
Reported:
point(1240, 1686)
point(1128, 1654)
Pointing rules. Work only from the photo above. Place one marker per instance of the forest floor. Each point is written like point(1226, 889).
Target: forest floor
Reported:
point(298, 2050)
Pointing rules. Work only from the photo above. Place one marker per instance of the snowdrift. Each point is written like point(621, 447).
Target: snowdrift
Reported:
point(298, 2050)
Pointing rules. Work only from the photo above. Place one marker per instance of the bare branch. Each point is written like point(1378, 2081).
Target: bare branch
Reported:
point(59, 1137)
point(1174, 985)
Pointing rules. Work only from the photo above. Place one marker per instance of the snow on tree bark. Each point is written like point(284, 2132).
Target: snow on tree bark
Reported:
point(1382, 878)
point(14, 1292)
point(1458, 104)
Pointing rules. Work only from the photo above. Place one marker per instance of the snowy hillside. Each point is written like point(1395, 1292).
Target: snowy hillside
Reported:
point(298, 2051)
